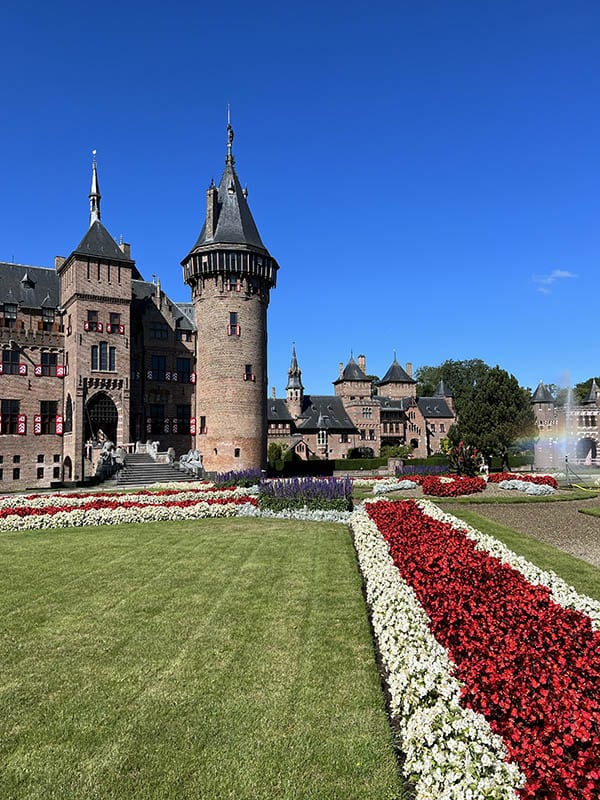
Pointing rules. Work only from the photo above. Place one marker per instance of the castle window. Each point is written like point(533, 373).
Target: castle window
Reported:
point(49, 364)
point(248, 374)
point(103, 357)
point(233, 283)
point(10, 362)
point(114, 323)
point(68, 428)
point(47, 319)
point(442, 427)
point(344, 438)
point(157, 419)
point(371, 434)
point(322, 438)
point(16, 474)
point(184, 370)
point(40, 458)
point(184, 412)
point(48, 412)
point(367, 412)
point(10, 315)
point(236, 452)
point(159, 330)
point(9, 412)
point(202, 425)
point(363, 435)
point(158, 365)
point(233, 329)
point(432, 426)
point(40, 473)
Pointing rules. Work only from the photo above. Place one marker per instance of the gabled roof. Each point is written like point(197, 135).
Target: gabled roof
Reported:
point(31, 287)
point(99, 243)
point(324, 412)
point(142, 290)
point(400, 404)
point(542, 394)
point(434, 407)
point(395, 374)
point(352, 372)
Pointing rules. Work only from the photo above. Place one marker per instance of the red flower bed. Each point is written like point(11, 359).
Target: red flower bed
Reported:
point(531, 667)
point(542, 480)
point(434, 486)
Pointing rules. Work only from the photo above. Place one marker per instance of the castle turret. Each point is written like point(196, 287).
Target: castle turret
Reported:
point(294, 389)
point(231, 273)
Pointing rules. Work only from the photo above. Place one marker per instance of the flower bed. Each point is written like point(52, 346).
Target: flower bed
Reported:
point(440, 486)
point(542, 480)
point(526, 663)
point(59, 511)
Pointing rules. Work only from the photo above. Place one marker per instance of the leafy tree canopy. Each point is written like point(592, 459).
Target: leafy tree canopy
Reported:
point(460, 376)
point(497, 415)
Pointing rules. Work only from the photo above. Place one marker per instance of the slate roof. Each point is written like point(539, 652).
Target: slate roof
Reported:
point(443, 390)
point(593, 393)
point(434, 407)
point(98, 242)
point(396, 374)
point(30, 287)
point(324, 412)
point(542, 394)
point(277, 411)
point(234, 224)
point(352, 372)
point(294, 373)
point(401, 404)
point(142, 290)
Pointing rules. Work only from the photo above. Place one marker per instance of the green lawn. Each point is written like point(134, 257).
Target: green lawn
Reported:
point(207, 659)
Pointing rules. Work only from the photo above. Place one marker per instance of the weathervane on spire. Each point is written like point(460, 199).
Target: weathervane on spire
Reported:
point(230, 159)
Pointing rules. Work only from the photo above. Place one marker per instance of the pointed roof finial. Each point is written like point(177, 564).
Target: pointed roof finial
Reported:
point(95, 195)
point(230, 160)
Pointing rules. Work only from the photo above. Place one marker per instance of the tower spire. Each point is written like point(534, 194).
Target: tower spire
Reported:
point(229, 160)
point(95, 195)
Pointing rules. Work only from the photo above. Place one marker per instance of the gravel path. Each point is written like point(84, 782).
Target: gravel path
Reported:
point(559, 524)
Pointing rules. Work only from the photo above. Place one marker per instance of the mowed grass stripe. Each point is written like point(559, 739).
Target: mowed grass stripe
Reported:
point(210, 659)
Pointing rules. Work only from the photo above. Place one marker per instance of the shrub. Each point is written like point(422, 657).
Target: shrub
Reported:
point(464, 459)
point(333, 494)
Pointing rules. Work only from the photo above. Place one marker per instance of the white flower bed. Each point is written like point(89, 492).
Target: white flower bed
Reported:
point(561, 592)
point(394, 485)
point(451, 752)
point(307, 514)
point(527, 487)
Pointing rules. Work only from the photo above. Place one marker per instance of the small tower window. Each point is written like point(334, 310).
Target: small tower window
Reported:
point(233, 329)
point(236, 452)
point(248, 374)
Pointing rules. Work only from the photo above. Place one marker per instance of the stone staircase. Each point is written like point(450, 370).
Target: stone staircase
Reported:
point(141, 470)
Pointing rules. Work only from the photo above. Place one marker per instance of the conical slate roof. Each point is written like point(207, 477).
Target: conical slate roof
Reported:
point(443, 390)
point(234, 224)
point(593, 394)
point(542, 394)
point(352, 372)
point(396, 374)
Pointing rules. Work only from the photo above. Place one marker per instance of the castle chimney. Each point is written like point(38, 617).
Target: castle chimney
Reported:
point(341, 369)
point(125, 249)
point(273, 393)
point(59, 261)
point(409, 369)
point(362, 363)
point(211, 210)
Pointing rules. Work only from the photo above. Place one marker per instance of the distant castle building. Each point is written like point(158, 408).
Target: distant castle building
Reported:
point(360, 416)
point(90, 351)
point(567, 431)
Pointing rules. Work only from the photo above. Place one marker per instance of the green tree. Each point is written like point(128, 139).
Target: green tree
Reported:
point(497, 416)
point(460, 376)
point(582, 389)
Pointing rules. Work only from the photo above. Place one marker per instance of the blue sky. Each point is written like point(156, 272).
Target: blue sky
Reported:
point(426, 174)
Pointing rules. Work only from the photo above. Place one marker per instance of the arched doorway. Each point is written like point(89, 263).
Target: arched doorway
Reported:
point(585, 447)
point(101, 418)
point(67, 469)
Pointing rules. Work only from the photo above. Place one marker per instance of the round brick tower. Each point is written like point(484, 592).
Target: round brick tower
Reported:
point(231, 274)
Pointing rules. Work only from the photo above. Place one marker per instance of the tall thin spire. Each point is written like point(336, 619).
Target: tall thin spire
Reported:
point(94, 193)
point(229, 160)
